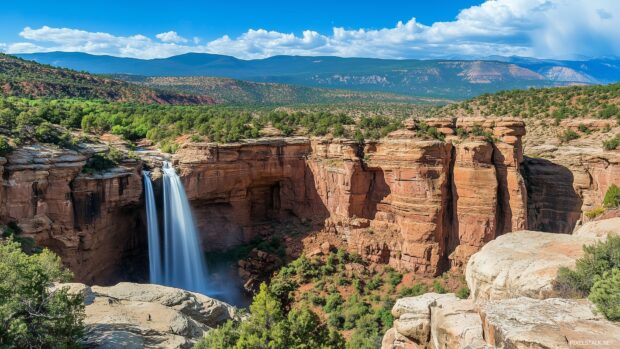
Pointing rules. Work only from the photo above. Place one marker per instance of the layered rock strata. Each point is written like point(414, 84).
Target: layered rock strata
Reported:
point(393, 201)
point(408, 200)
point(567, 179)
point(90, 220)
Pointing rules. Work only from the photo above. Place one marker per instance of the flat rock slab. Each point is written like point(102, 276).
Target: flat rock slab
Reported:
point(521, 323)
point(130, 315)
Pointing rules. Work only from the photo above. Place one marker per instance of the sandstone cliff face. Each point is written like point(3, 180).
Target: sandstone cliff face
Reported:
point(393, 201)
point(565, 180)
point(89, 220)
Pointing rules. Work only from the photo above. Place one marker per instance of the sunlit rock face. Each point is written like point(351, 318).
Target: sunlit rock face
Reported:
point(412, 202)
point(512, 304)
point(91, 221)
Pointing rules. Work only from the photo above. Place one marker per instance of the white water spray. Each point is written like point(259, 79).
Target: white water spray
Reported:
point(155, 271)
point(184, 263)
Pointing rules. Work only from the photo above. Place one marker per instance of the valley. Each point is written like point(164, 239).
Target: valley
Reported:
point(355, 223)
point(442, 79)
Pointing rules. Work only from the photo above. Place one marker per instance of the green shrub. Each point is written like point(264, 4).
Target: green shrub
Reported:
point(394, 278)
point(5, 147)
point(268, 326)
point(605, 293)
point(595, 212)
point(584, 129)
point(438, 287)
point(169, 147)
point(612, 143)
point(413, 291)
point(612, 197)
point(597, 259)
point(374, 283)
point(333, 302)
point(103, 162)
point(31, 314)
point(315, 299)
point(463, 292)
point(568, 135)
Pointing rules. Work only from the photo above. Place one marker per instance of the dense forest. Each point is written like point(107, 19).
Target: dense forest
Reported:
point(51, 121)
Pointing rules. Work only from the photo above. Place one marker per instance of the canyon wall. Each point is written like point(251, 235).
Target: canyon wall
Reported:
point(91, 221)
point(408, 201)
point(565, 180)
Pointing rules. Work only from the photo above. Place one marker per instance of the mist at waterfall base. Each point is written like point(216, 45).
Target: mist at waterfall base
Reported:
point(179, 261)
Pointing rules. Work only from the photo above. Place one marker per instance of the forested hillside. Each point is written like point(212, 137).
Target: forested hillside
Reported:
point(601, 101)
point(23, 78)
point(231, 91)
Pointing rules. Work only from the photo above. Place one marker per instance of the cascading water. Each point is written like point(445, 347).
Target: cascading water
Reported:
point(184, 263)
point(155, 271)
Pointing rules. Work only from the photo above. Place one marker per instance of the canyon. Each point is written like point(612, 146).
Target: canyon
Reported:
point(409, 201)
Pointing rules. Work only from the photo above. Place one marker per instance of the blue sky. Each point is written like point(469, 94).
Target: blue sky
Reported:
point(384, 29)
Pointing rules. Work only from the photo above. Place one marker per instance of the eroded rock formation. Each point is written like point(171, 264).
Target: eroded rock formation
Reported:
point(511, 304)
point(393, 201)
point(565, 180)
point(90, 220)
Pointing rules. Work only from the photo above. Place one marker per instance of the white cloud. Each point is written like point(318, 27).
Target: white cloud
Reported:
point(171, 36)
point(538, 28)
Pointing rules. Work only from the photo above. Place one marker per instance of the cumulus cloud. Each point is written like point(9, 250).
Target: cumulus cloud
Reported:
point(538, 28)
point(171, 36)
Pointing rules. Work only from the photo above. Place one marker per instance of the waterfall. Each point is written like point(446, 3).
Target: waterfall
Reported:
point(155, 272)
point(184, 263)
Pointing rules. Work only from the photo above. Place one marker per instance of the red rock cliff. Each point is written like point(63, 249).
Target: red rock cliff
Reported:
point(416, 204)
point(89, 220)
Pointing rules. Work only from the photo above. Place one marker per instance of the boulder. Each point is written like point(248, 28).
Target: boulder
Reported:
point(599, 229)
point(130, 315)
point(551, 323)
point(434, 321)
point(455, 323)
point(413, 316)
point(522, 263)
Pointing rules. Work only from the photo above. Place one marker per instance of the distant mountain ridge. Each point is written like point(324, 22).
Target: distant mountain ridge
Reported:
point(428, 78)
point(233, 91)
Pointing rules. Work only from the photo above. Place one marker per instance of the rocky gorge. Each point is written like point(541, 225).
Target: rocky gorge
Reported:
point(417, 204)
point(458, 200)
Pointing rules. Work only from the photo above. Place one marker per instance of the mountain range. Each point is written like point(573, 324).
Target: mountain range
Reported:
point(426, 78)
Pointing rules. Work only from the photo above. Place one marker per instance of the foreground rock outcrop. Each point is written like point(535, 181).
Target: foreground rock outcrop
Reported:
point(511, 304)
point(525, 263)
point(550, 323)
point(136, 316)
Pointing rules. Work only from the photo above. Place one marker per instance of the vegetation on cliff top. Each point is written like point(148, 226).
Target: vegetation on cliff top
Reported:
point(50, 121)
point(600, 101)
point(31, 314)
point(240, 92)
